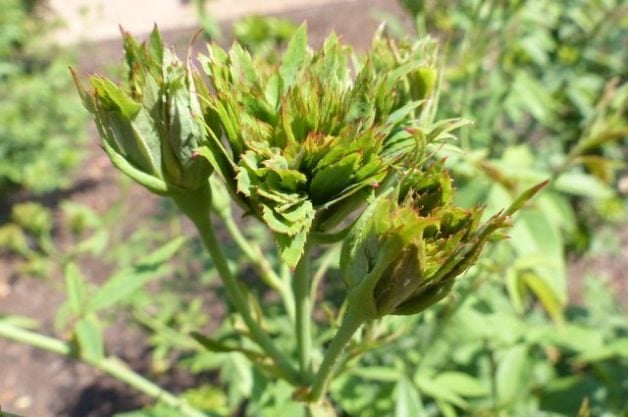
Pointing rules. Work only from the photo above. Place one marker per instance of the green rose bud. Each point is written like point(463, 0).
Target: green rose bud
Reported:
point(406, 250)
point(151, 127)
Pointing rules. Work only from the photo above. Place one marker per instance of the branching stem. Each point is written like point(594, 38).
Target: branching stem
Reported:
point(351, 322)
point(197, 207)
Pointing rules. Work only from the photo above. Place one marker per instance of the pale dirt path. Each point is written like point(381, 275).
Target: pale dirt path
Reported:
point(97, 20)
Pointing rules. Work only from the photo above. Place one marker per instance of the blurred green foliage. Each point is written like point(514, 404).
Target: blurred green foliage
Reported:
point(547, 78)
point(263, 35)
point(42, 125)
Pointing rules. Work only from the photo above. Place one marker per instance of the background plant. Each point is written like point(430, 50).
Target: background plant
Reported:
point(543, 78)
point(264, 35)
point(41, 123)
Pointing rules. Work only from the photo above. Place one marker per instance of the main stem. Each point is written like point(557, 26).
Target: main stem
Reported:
point(303, 310)
point(351, 322)
point(111, 365)
point(196, 207)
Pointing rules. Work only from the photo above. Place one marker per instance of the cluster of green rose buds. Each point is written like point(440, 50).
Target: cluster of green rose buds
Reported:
point(324, 146)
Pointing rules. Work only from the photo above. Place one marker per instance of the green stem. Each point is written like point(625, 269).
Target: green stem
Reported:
point(266, 271)
point(34, 339)
point(326, 260)
point(111, 365)
point(196, 207)
point(350, 324)
point(303, 310)
point(118, 369)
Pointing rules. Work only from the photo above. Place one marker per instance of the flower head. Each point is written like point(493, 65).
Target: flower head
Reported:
point(308, 140)
point(409, 246)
